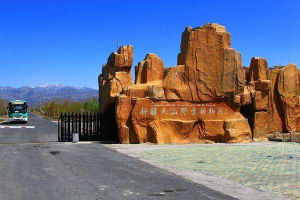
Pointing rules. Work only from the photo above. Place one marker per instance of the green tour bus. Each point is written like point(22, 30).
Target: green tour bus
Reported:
point(17, 111)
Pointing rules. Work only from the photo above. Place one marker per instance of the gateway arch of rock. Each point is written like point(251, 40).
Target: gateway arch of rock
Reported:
point(208, 97)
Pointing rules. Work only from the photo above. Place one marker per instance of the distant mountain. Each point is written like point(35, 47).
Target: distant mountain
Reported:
point(43, 93)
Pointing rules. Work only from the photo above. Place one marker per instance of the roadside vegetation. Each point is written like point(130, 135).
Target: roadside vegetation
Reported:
point(3, 106)
point(52, 109)
point(3, 110)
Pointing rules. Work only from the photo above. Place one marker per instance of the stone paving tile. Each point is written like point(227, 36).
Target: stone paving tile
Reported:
point(271, 168)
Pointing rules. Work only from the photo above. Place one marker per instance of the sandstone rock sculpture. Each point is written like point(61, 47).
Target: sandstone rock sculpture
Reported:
point(275, 106)
point(116, 74)
point(284, 104)
point(208, 97)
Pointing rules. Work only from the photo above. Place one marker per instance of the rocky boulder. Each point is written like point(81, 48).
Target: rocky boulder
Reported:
point(258, 69)
point(151, 69)
point(209, 68)
point(287, 92)
point(116, 75)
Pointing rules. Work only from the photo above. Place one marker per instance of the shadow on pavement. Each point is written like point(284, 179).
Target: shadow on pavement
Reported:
point(12, 122)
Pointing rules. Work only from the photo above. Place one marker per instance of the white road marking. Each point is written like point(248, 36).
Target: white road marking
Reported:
point(17, 126)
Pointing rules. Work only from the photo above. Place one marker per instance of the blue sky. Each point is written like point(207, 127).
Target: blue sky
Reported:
point(66, 42)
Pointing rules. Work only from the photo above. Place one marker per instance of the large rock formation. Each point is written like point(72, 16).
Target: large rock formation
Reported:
point(260, 87)
point(208, 97)
point(284, 100)
point(116, 74)
point(275, 108)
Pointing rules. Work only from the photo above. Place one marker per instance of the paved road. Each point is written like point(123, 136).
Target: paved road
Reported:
point(45, 131)
point(32, 166)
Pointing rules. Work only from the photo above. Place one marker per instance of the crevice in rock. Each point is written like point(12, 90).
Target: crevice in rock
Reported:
point(248, 112)
point(108, 125)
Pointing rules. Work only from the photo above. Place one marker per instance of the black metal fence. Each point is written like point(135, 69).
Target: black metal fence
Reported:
point(89, 126)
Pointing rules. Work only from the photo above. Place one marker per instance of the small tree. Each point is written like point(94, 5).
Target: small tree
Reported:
point(51, 109)
point(91, 105)
point(3, 106)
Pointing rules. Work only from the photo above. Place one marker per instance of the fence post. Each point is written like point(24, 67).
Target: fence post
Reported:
point(93, 125)
point(98, 125)
point(59, 133)
point(79, 132)
point(83, 123)
point(76, 121)
point(72, 126)
point(69, 127)
point(65, 127)
point(87, 125)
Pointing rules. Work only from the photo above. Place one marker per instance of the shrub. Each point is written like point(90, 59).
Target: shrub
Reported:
point(3, 107)
point(53, 108)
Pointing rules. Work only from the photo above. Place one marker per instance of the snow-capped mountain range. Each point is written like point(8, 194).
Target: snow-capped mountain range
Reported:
point(46, 92)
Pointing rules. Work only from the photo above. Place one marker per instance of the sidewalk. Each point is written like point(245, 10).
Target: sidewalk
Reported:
point(267, 170)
